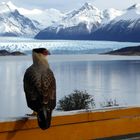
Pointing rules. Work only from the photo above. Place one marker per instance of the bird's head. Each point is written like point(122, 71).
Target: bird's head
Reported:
point(39, 55)
point(41, 51)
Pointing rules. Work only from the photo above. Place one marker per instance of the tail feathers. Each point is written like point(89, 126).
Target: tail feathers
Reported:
point(44, 118)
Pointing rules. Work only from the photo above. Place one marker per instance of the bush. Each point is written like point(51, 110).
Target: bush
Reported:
point(76, 101)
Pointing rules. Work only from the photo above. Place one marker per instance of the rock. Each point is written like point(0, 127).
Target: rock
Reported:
point(4, 52)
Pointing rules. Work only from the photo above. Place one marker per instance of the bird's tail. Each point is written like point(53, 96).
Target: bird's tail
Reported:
point(44, 118)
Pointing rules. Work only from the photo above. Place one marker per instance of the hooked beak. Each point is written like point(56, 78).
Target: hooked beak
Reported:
point(49, 53)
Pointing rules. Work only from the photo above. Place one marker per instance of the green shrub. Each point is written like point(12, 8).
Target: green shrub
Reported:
point(76, 101)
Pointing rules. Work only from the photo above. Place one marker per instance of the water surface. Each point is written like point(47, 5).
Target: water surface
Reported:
point(104, 77)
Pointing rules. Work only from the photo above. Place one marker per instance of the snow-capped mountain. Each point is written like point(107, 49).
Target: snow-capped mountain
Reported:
point(45, 17)
point(87, 14)
point(110, 14)
point(12, 23)
point(125, 27)
point(79, 24)
point(90, 23)
point(76, 24)
point(85, 23)
point(132, 13)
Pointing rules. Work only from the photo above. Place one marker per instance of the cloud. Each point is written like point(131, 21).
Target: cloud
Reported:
point(66, 5)
point(45, 4)
point(118, 4)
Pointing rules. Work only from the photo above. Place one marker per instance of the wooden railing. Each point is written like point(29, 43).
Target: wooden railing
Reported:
point(82, 125)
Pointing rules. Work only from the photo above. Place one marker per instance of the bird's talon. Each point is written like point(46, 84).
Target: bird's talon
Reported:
point(32, 114)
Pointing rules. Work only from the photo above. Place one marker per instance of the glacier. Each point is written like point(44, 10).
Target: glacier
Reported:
point(61, 46)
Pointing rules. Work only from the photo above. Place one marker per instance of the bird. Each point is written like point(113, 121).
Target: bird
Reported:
point(40, 87)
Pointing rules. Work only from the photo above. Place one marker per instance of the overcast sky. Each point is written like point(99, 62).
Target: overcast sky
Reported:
point(66, 5)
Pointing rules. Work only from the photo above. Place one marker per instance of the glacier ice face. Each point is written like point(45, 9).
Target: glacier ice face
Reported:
point(60, 46)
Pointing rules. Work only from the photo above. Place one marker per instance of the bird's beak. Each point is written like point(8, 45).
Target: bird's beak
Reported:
point(49, 53)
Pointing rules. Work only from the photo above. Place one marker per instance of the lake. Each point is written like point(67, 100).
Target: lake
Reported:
point(105, 77)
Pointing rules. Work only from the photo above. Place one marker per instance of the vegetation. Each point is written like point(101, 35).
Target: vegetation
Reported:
point(82, 100)
point(76, 101)
point(109, 103)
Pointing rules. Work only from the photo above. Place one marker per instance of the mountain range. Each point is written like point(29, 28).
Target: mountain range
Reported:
point(123, 28)
point(86, 23)
point(12, 23)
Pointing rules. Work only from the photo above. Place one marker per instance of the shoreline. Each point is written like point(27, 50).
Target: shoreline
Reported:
point(79, 57)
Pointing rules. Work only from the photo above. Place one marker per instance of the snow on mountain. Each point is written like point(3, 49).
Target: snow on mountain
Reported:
point(87, 22)
point(80, 23)
point(4, 8)
point(110, 14)
point(76, 24)
point(132, 13)
point(136, 6)
point(125, 27)
point(22, 10)
point(87, 14)
point(12, 23)
point(45, 17)
point(131, 16)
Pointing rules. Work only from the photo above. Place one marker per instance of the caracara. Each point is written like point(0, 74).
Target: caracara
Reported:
point(40, 87)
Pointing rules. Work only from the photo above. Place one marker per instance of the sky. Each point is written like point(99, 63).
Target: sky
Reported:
point(67, 5)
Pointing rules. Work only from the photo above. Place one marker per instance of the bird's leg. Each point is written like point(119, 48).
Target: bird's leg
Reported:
point(34, 113)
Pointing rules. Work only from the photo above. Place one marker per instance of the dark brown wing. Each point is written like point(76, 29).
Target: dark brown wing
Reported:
point(32, 88)
point(48, 85)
